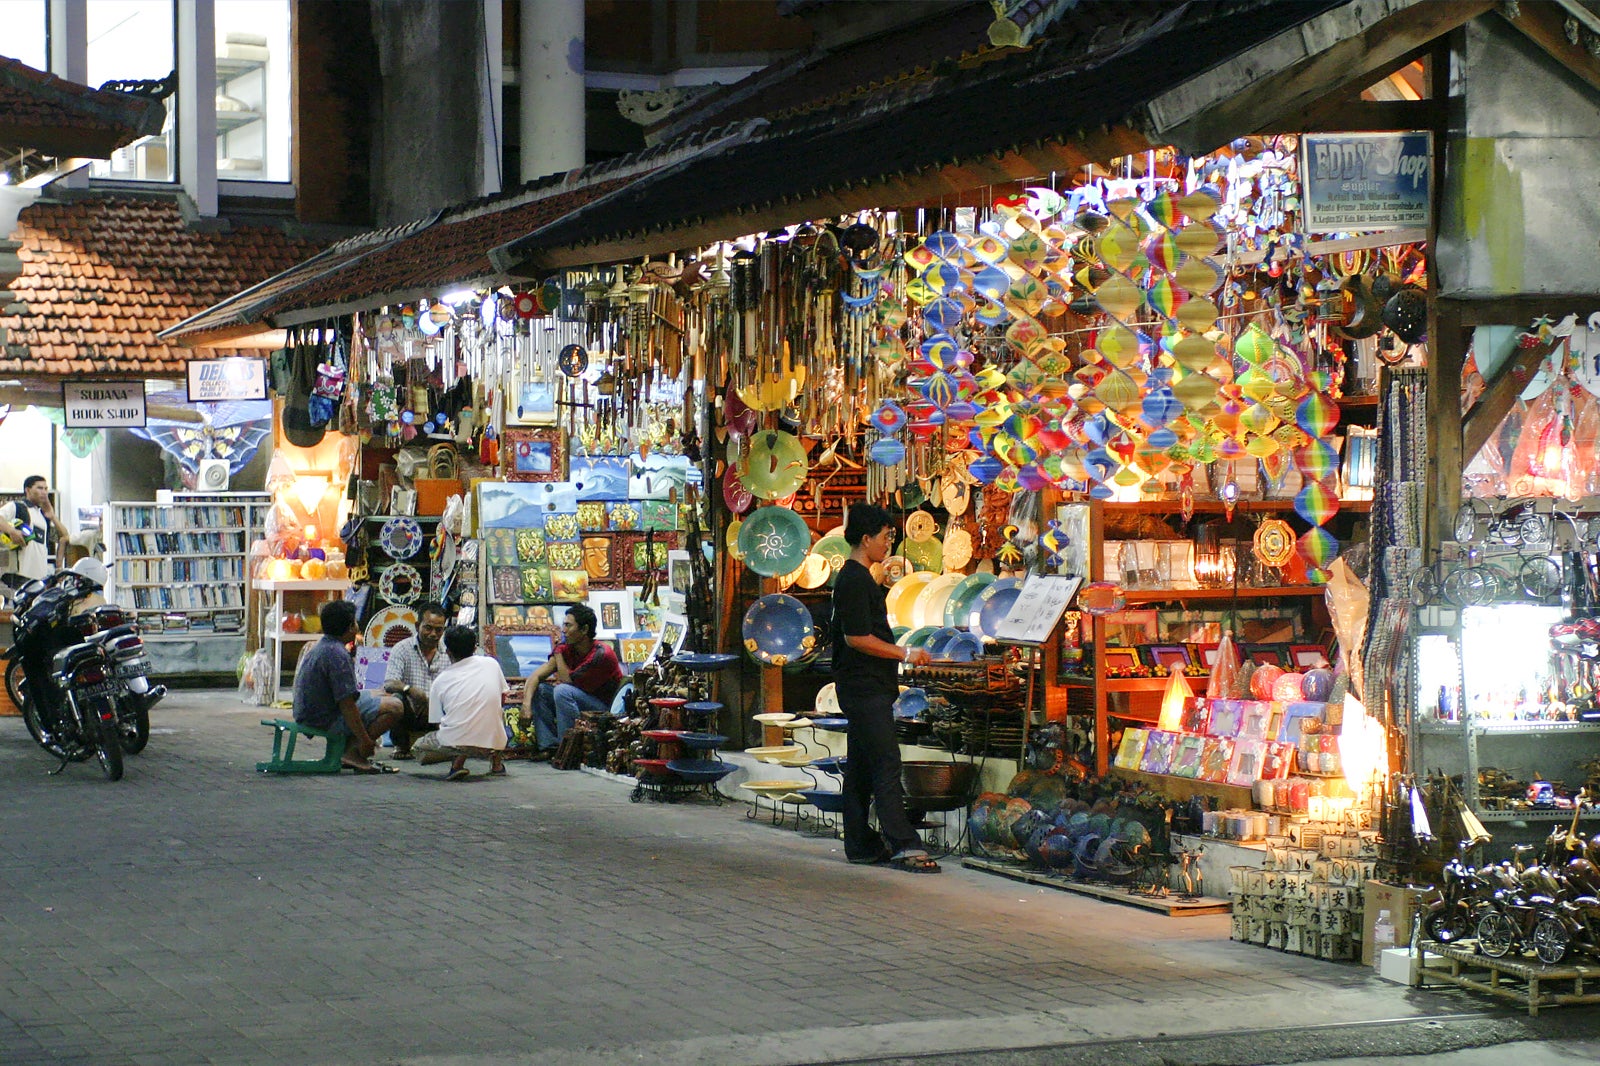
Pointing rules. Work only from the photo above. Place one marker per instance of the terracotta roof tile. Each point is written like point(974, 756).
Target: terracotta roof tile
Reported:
point(103, 275)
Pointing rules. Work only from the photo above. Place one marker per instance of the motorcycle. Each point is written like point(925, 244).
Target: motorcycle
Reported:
point(77, 684)
point(1455, 914)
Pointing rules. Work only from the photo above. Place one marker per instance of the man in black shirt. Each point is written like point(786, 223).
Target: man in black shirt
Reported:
point(866, 676)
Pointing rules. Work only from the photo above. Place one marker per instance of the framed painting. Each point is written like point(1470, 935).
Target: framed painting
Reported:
point(674, 627)
point(600, 477)
point(534, 453)
point(536, 403)
point(613, 612)
point(679, 571)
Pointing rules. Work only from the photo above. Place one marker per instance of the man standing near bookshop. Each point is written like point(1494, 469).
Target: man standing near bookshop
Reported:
point(24, 529)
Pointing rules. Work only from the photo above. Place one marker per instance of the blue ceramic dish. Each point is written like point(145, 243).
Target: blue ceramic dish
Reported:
point(833, 764)
point(701, 771)
point(824, 800)
point(778, 630)
point(704, 662)
point(962, 648)
point(702, 741)
point(838, 725)
point(912, 702)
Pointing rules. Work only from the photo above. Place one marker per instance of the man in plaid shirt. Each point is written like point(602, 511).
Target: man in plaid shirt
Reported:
point(413, 665)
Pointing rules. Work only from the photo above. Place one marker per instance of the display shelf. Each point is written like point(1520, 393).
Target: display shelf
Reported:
point(213, 531)
point(272, 615)
point(1542, 814)
point(1175, 787)
point(1172, 506)
point(1511, 729)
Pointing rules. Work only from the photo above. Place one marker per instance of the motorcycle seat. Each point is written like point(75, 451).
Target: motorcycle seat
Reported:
point(111, 636)
point(68, 658)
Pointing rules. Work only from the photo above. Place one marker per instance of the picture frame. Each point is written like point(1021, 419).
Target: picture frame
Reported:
point(544, 617)
point(536, 403)
point(1268, 654)
point(534, 453)
point(1132, 627)
point(680, 573)
point(1205, 655)
point(674, 628)
point(634, 649)
point(613, 611)
point(1162, 657)
point(1122, 657)
point(600, 478)
point(520, 654)
point(1308, 656)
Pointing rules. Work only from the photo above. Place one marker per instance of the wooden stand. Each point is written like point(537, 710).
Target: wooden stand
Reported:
point(1521, 980)
point(1172, 905)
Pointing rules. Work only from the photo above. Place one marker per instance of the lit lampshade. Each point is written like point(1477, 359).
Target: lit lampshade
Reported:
point(1175, 701)
point(309, 490)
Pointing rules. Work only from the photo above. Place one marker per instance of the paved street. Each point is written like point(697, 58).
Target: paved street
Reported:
point(199, 912)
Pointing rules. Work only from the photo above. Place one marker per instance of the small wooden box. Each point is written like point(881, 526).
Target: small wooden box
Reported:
point(433, 492)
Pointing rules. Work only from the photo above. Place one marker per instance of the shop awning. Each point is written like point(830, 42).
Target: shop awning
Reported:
point(424, 257)
point(42, 112)
point(1195, 76)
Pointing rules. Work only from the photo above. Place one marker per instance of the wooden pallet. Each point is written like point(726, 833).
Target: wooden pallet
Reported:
point(1519, 979)
point(1172, 906)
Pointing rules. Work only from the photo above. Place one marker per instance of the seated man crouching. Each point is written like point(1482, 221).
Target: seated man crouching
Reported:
point(466, 700)
point(326, 695)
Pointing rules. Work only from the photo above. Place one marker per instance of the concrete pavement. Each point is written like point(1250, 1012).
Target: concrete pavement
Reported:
point(200, 912)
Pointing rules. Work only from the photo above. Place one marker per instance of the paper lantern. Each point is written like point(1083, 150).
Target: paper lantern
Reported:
point(1318, 547)
point(1316, 503)
point(1317, 460)
point(1264, 679)
point(1317, 415)
point(1174, 701)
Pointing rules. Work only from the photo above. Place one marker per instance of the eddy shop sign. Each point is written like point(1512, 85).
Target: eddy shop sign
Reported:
point(1366, 181)
point(237, 378)
point(103, 404)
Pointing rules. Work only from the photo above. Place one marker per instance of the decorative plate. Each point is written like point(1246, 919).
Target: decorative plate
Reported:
point(928, 610)
point(773, 717)
point(781, 752)
point(815, 573)
point(904, 594)
point(777, 628)
point(925, 554)
point(390, 626)
point(963, 648)
point(732, 538)
point(774, 541)
point(833, 548)
point(957, 549)
point(573, 360)
point(1274, 542)
point(734, 493)
point(776, 464)
point(995, 604)
point(827, 703)
point(400, 537)
point(958, 607)
point(400, 583)
point(920, 526)
point(988, 593)
point(763, 788)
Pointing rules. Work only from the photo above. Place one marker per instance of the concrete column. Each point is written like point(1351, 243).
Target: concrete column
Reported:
point(197, 111)
point(491, 117)
point(69, 58)
point(550, 77)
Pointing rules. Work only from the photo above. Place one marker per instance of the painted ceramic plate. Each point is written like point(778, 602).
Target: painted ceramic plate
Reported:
point(774, 541)
point(827, 703)
point(963, 648)
point(764, 788)
point(957, 549)
point(734, 494)
point(773, 718)
point(703, 662)
point(390, 626)
point(400, 537)
point(904, 595)
point(925, 554)
point(958, 606)
point(400, 583)
point(776, 465)
point(929, 608)
point(918, 638)
point(733, 539)
point(777, 629)
point(993, 604)
point(815, 573)
point(833, 548)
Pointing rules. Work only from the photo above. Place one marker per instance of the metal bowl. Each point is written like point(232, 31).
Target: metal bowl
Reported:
point(701, 771)
point(824, 800)
point(940, 780)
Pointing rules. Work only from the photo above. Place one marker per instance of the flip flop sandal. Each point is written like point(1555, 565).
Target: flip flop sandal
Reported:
point(915, 864)
point(497, 771)
point(373, 768)
point(458, 775)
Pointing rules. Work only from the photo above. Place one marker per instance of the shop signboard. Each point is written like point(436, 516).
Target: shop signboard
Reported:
point(1366, 181)
point(235, 378)
point(103, 404)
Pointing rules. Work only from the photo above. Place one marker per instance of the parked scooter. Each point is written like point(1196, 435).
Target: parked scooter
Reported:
point(74, 682)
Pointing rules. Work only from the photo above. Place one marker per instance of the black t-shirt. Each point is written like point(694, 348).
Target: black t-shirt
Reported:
point(858, 609)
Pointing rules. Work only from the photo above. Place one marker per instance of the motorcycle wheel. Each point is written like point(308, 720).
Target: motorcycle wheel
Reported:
point(1496, 934)
point(133, 724)
point(14, 681)
point(1550, 940)
point(30, 718)
point(1447, 926)
point(102, 727)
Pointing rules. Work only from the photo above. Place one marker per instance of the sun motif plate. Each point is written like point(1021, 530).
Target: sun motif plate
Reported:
point(774, 540)
point(390, 626)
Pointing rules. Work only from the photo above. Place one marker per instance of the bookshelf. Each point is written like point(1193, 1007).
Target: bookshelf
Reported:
point(183, 568)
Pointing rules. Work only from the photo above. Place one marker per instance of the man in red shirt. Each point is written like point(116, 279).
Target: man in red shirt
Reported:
point(586, 677)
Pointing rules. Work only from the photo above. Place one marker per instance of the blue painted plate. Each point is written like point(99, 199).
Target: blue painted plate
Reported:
point(701, 771)
point(778, 630)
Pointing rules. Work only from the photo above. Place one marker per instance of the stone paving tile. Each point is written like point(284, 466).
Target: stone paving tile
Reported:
point(215, 915)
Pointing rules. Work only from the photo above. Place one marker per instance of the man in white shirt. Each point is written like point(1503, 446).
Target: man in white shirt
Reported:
point(23, 525)
point(467, 701)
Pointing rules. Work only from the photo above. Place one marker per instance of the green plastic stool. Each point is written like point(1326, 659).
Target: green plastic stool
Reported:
point(283, 760)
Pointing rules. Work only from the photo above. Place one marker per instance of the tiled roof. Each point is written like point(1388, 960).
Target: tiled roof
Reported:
point(444, 250)
point(62, 118)
point(103, 275)
point(1094, 75)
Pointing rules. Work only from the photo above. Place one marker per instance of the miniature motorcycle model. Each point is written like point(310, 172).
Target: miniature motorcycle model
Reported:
point(1521, 914)
point(67, 688)
point(1462, 898)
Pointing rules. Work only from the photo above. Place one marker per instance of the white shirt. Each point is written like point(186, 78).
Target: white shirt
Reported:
point(466, 700)
point(31, 560)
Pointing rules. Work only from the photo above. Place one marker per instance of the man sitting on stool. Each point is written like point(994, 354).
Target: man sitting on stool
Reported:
point(587, 676)
point(466, 702)
point(327, 696)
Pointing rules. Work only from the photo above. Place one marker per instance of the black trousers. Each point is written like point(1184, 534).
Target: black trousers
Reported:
point(412, 724)
point(872, 779)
